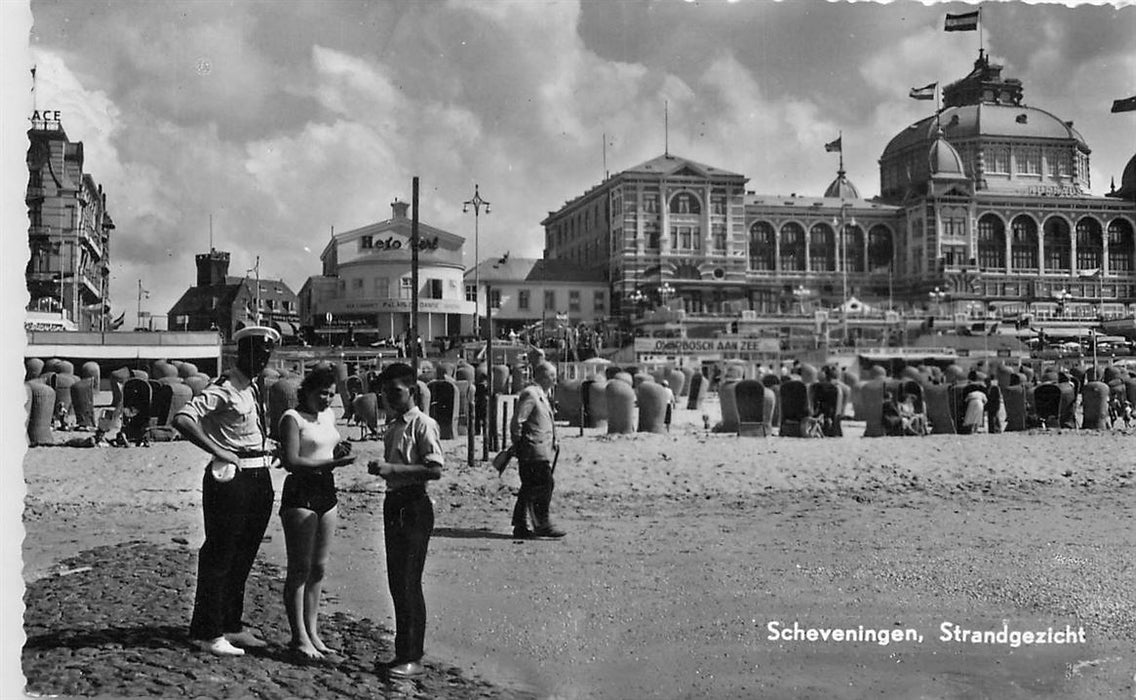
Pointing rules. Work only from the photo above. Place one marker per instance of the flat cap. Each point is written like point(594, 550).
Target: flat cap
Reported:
point(257, 332)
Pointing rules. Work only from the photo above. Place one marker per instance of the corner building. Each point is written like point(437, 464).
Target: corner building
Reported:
point(995, 206)
point(69, 231)
point(365, 292)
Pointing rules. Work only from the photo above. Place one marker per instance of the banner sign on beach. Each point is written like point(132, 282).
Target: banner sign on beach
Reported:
point(704, 346)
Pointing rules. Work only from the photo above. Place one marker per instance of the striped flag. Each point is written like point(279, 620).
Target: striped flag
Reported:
point(927, 92)
point(1125, 105)
point(836, 145)
point(964, 22)
point(117, 323)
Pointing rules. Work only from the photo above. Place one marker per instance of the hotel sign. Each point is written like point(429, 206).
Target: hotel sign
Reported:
point(706, 346)
point(439, 306)
point(1052, 191)
point(392, 243)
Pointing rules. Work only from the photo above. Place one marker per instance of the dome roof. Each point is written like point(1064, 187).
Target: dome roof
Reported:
point(1127, 182)
point(944, 160)
point(987, 121)
point(842, 188)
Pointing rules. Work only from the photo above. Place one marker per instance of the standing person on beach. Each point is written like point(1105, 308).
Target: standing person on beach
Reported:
point(533, 431)
point(227, 421)
point(412, 456)
point(310, 449)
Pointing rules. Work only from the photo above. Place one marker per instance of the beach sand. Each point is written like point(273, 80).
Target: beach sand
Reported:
point(682, 550)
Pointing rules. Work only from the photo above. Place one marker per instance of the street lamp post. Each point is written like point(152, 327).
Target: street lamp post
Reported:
point(844, 223)
point(938, 294)
point(477, 203)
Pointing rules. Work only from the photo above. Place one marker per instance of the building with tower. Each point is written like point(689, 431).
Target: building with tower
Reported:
point(225, 304)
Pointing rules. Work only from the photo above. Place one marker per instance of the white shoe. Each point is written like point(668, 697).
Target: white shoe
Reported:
point(245, 640)
point(221, 647)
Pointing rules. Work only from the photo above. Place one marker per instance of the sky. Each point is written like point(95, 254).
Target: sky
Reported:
point(284, 119)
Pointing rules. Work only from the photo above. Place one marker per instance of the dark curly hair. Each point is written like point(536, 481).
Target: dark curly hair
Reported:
point(316, 379)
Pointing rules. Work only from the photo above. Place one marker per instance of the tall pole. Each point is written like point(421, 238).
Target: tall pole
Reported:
point(258, 290)
point(490, 442)
point(476, 202)
point(414, 273)
point(139, 303)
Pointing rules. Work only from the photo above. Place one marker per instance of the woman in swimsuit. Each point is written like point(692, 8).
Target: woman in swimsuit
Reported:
point(310, 449)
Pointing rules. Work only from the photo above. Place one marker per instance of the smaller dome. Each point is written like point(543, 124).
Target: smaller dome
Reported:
point(842, 188)
point(944, 160)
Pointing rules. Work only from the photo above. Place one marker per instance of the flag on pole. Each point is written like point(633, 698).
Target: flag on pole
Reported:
point(117, 323)
point(1126, 105)
point(964, 22)
point(1090, 274)
point(836, 145)
point(927, 92)
point(33, 78)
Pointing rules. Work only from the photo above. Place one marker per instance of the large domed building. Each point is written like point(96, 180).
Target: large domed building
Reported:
point(995, 205)
point(984, 205)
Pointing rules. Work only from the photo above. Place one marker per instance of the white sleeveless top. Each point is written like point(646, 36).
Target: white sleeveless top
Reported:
point(318, 438)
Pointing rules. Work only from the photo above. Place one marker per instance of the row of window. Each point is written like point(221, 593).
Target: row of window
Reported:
point(822, 249)
point(431, 288)
point(551, 299)
point(1055, 244)
point(682, 203)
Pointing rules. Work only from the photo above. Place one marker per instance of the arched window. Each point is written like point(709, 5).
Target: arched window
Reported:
point(991, 243)
point(1120, 246)
point(792, 247)
point(853, 247)
point(685, 203)
point(1057, 245)
point(880, 250)
point(1090, 244)
point(1023, 243)
point(822, 248)
point(762, 246)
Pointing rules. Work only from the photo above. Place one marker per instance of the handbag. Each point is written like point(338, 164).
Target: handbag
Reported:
point(502, 458)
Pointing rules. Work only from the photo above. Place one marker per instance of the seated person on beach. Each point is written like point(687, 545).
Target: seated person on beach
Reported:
point(975, 414)
point(310, 449)
point(912, 422)
point(892, 420)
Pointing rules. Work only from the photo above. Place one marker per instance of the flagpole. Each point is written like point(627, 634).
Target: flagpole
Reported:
point(978, 26)
point(840, 139)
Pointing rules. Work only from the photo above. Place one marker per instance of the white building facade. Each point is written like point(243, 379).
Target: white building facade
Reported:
point(365, 292)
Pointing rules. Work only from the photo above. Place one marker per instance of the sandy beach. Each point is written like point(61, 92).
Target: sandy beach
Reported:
point(686, 550)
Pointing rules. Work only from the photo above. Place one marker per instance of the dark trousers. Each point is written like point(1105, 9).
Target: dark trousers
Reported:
point(408, 521)
point(236, 515)
point(534, 496)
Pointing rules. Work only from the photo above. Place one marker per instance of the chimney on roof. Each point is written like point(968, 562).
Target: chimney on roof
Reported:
point(399, 209)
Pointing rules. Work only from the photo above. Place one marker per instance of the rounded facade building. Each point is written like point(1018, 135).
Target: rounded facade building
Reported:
point(365, 292)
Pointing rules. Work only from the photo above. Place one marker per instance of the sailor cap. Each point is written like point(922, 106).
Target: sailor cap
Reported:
point(257, 332)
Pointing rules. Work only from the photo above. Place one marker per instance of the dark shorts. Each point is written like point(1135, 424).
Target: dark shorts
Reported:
point(309, 491)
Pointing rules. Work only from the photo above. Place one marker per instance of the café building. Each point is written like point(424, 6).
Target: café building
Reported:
point(364, 294)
